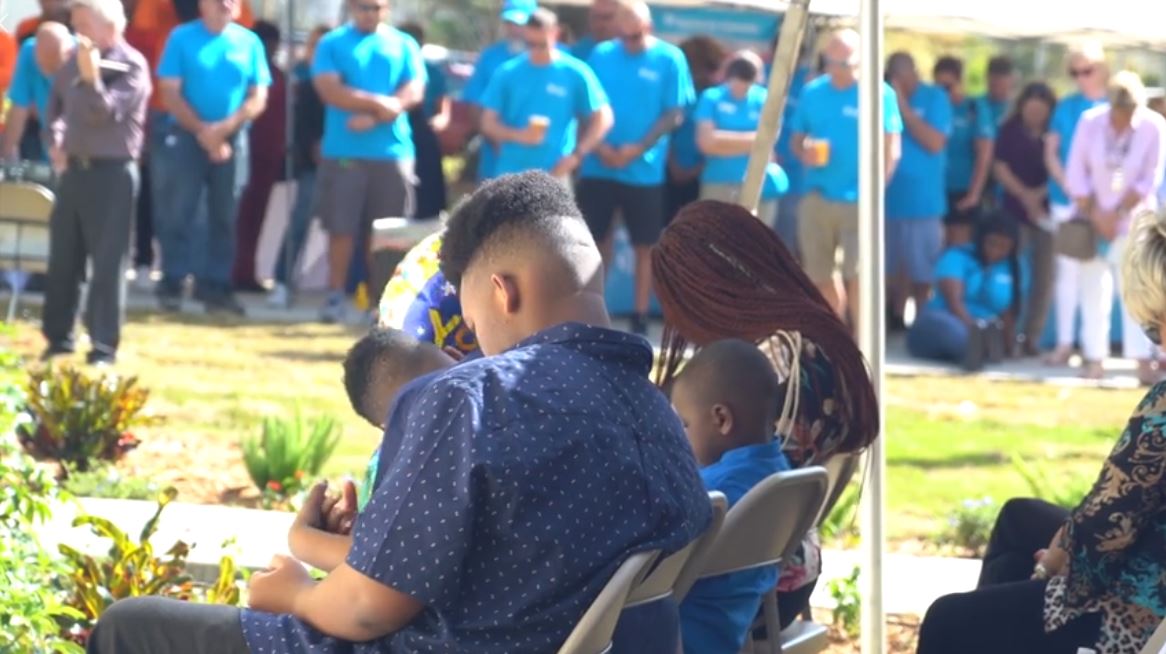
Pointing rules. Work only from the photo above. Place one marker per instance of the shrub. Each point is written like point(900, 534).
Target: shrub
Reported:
point(105, 481)
point(970, 526)
point(1067, 493)
point(841, 524)
point(77, 420)
point(847, 603)
point(288, 454)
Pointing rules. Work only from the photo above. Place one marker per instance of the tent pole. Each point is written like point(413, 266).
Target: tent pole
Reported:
point(871, 175)
point(289, 258)
point(785, 60)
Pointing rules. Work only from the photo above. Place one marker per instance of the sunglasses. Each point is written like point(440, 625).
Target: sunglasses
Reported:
point(1153, 332)
point(1080, 72)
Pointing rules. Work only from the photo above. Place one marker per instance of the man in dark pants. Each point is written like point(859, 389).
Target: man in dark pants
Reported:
point(97, 115)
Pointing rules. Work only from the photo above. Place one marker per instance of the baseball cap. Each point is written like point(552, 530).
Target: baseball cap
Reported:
point(518, 11)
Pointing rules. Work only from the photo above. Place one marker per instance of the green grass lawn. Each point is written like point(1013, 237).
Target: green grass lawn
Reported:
point(948, 439)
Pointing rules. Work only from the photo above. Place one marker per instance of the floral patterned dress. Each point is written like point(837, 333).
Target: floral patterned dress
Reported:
point(1116, 540)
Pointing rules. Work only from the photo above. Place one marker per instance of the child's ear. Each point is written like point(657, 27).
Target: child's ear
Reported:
point(723, 419)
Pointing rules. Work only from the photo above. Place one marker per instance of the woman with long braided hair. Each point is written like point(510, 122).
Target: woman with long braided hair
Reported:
point(721, 273)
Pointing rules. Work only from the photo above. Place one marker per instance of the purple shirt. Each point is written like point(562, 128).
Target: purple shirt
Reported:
point(105, 120)
point(1107, 165)
point(1024, 154)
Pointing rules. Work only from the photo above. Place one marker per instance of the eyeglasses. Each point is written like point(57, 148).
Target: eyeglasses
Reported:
point(1153, 332)
point(1080, 72)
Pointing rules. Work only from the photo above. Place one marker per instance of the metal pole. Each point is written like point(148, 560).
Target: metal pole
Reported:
point(871, 176)
point(785, 60)
point(289, 257)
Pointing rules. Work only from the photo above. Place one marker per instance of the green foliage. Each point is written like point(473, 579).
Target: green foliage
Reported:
point(1067, 493)
point(32, 601)
point(970, 526)
point(847, 603)
point(78, 420)
point(105, 481)
point(842, 523)
point(288, 454)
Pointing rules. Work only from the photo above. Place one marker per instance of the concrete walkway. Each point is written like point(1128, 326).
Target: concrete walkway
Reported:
point(252, 537)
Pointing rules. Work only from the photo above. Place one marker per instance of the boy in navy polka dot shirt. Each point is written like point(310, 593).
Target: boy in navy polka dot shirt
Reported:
point(727, 397)
point(522, 481)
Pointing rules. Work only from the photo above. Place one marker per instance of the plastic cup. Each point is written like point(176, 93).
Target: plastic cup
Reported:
point(819, 151)
point(539, 125)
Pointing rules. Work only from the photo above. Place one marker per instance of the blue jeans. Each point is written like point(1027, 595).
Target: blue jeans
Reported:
point(297, 229)
point(939, 336)
point(182, 175)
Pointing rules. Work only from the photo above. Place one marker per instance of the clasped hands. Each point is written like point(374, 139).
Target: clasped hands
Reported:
point(275, 590)
point(620, 157)
point(388, 107)
point(213, 137)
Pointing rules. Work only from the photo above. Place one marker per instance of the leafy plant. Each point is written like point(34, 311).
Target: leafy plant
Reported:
point(970, 526)
point(847, 603)
point(841, 523)
point(1065, 492)
point(288, 453)
point(77, 420)
point(105, 481)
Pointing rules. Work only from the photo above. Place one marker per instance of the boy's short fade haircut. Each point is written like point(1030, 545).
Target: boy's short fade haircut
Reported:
point(384, 356)
point(1001, 66)
point(505, 212)
point(949, 64)
point(738, 374)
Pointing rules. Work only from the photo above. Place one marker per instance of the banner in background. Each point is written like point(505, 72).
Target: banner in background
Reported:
point(737, 28)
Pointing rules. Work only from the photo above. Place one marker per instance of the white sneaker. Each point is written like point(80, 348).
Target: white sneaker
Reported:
point(279, 296)
point(142, 281)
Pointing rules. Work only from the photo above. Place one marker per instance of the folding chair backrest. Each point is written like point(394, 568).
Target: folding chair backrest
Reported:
point(666, 577)
point(592, 634)
point(768, 524)
point(24, 225)
point(1157, 642)
point(840, 469)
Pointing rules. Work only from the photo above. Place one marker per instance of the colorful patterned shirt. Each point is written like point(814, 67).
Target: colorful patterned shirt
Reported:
point(418, 300)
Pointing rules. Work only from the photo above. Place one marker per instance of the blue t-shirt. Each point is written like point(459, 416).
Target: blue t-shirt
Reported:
point(564, 91)
point(216, 70)
point(375, 62)
point(970, 122)
point(789, 163)
point(717, 613)
point(684, 149)
point(916, 191)
point(828, 113)
point(728, 113)
point(997, 109)
point(1064, 125)
point(489, 61)
point(436, 88)
point(30, 87)
point(642, 87)
point(496, 512)
point(584, 47)
point(987, 289)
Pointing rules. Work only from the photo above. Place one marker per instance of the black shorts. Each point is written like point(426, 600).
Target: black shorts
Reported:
point(957, 217)
point(642, 208)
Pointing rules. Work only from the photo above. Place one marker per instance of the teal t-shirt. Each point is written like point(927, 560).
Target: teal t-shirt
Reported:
point(728, 113)
point(641, 88)
point(970, 122)
point(916, 191)
point(988, 290)
point(1064, 125)
point(563, 91)
point(216, 70)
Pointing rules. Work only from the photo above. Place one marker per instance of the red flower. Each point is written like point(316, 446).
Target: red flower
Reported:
point(275, 486)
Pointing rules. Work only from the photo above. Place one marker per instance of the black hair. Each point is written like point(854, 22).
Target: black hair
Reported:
point(1034, 91)
point(737, 373)
point(414, 30)
point(1000, 65)
point(898, 61)
point(382, 360)
point(268, 33)
point(542, 18)
point(527, 203)
point(1003, 224)
point(949, 64)
point(742, 68)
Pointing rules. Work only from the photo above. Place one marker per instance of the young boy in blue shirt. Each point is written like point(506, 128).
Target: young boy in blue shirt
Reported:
point(728, 397)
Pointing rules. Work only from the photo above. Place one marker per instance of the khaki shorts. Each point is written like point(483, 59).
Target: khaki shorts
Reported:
point(824, 226)
point(352, 193)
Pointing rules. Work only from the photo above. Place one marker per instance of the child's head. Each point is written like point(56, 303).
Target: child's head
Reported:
point(381, 363)
point(728, 397)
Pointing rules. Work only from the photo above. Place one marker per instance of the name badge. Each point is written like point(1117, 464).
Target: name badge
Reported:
point(649, 74)
point(727, 107)
point(850, 112)
point(556, 90)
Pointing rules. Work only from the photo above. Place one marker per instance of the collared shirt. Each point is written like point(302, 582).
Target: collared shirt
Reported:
point(1106, 165)
point(522, 482)
point(105, 120)
point(718, 612)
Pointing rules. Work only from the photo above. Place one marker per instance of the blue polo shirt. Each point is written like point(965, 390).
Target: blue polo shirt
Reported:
point(496, 512)
point(970, 122)
point(717, 613)
point(563, 90)
point(728, 113)
point(489, 61)
point(216, 70)
point(988, 290)
point(789, 163)
point(828, 113)
point(30, 87)
point(642, 87)
point(1064, 124)
point(375, 62)
point(916, 191)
